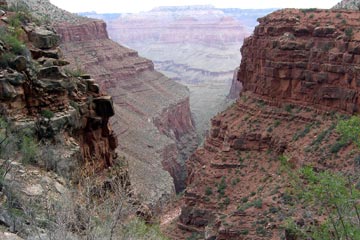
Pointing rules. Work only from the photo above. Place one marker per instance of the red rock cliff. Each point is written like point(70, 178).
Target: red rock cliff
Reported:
point(313, 62)
point(152, 115)
point(297, 69)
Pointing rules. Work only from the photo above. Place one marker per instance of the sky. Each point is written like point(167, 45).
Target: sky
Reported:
point(129, 6)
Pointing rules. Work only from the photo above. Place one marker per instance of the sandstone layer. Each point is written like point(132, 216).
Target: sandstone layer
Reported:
point(298, 69)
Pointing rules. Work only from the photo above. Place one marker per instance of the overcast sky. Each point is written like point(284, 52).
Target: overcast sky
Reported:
point(121, 6)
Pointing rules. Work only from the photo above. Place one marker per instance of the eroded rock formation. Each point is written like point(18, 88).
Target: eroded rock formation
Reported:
point(195, 45)
point(29, 90)
point(297, 70)
point(55, 137)
point(311, 62)
point(152, 113)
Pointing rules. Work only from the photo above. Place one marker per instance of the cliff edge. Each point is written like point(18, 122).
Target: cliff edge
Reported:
point(299, 72)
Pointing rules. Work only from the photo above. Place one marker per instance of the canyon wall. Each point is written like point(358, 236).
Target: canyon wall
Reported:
point(299, 71)
point(152, 122)
point(152, 118)
point(194, 45)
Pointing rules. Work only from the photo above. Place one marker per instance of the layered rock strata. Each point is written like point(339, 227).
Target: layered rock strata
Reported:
point(195, 45)
point(29, 91)
point(151, 111)
point(55, 136)
point(298, 69)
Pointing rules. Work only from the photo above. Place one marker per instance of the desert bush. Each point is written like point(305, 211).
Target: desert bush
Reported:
point(28, 149)
point(350, 130)
point(47, 114)
point(12, 42)
point(74, 72)
point(349, 32)
point(337, 197)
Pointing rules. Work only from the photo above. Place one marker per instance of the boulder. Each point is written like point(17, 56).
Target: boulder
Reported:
point(104, 106)
point(7, 91)
point(324, 31)
point(19, 63)
point(52, 72)
point(9, 236)
point(43, 38)
point(15, 78)
point(51, 53)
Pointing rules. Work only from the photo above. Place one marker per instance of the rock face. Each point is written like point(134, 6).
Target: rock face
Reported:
point(297, 68)
point(311, 62)
point(152, 113)
point(348, 4)
point(235, 86)
point(195, 45)
point(26, 95)
point(56, 136)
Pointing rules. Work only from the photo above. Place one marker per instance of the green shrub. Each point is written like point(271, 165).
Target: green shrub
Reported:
point(222, 186)
point(335, 195)
point(138, 229)
point(306, 10)
point(28, 149)
point(208, 191)
point(13, 43)
point(47, 114)
point(76, 72)
point(6, 59)
point(257, 203)
point(289, 108)
point(350, 130)
point(302, 133)
point(349, 32)
point(337, 146)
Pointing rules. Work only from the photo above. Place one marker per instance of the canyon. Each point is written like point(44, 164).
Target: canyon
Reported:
point(197, 46)
point(299, 75)
point(96, 136)
point(152, 116)
point(152, 120)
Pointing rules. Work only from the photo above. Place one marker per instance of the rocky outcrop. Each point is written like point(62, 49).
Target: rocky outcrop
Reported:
point(87, 31)
point(348, 4)
point(55, 136)
point(304, 59)
point(297, 70)
point(30, 93)
point(151, 111)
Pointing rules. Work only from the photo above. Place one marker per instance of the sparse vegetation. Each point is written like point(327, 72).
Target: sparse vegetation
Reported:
point(208, 191)
point(349, 32)
point(47, 114)
point(336, 196)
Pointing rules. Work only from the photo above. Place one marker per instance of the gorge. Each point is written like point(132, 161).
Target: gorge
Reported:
point(95, 142)
point(197, 46)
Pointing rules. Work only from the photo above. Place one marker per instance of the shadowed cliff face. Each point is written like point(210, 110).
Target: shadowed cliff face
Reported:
point(152, 118)
point(297, 69)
